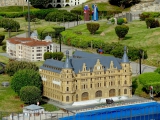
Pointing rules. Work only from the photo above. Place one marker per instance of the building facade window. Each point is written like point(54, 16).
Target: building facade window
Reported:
point(98, 93)
point(125, 91)
point(67, 88)
point(67, 99)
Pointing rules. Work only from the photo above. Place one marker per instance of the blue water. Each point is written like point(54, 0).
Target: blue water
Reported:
point(144, 111)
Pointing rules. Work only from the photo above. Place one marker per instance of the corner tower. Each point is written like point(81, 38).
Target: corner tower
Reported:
point(67, 78)
point(126, 75)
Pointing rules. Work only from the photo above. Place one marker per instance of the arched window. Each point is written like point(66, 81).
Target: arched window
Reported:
point(111, 83)
point(67, 88)
point(112, 93)
point(85, 96)
point(118, 82)
point(77, 97)
point(67, 99)
point(119, 92)
point(91, 85)
point(125, 91)
point(98, 93)
point(125, 82)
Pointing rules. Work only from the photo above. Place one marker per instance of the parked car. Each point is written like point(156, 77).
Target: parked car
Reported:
point(109, 101)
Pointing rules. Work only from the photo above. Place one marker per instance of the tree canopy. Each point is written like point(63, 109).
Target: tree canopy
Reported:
point(30, 94)
point(123, 3)
point(26, 77)
point(13, 66)
point(37, 3)
point(150, 79)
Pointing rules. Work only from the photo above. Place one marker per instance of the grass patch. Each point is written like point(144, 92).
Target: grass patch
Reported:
point(4, 59)
point(9, 101)
point(15, 8)
point(50, 107)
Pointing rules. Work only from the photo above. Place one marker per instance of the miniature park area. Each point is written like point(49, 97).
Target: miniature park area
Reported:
point(105, 33)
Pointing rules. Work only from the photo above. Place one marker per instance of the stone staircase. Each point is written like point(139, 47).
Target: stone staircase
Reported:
point(147, 7)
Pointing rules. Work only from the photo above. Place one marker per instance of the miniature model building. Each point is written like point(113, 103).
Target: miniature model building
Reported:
point(86, 76)
point(29, 49)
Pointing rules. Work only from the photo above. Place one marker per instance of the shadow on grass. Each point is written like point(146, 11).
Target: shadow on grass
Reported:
point(127, 37)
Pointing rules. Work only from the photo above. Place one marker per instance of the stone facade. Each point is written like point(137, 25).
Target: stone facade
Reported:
point(86, 77)
point(12, 2)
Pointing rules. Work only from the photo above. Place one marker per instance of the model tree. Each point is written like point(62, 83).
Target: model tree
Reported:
point(123, 3)
point(14, 66)
point(26, 77)
point(37, 3)
point(30, 94)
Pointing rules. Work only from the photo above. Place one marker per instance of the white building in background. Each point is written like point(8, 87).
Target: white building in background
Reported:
point(64, 3)
point(29, 49)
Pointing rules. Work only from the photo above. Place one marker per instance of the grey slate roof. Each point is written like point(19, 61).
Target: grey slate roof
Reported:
point(79, 57)
point(54, 64)
point(33, 107)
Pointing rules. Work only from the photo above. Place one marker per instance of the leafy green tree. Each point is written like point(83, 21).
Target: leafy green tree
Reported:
point(30, 94)
point(37, 3)
point(47, 55)
point(123, 3)
point(150, 79)
point(26, 77)
point(9, 24)
point(2, 36)
point(13, 66)
point(57, 55)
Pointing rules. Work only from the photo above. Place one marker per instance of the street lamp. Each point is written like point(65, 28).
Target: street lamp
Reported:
point(28, 18)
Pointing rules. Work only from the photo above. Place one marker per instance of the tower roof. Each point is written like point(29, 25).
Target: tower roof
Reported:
point(125, 57)
point(67, 63)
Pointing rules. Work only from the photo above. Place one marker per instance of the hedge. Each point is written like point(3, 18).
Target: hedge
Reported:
point(83, 41)
point(11, 14)
point(53, 31)
point(48, 31)
point(61, 16)
point(145, 15)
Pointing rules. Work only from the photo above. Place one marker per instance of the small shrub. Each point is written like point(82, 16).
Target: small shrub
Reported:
point(121, 31)
point(125, 20)
point(120, 21)
point(112, 20)
point(4, 47)
point(57, 55)
point(47, 55)
point(152, 23)
point(93, 27)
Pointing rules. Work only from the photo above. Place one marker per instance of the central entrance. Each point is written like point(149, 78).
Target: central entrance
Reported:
point(85, 96)
point(112, 93)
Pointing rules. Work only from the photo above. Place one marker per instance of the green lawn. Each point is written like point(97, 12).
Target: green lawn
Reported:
point(9, 100)
point(138, 36)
